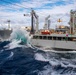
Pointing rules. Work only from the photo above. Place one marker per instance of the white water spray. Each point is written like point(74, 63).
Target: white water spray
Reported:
point(19, 38)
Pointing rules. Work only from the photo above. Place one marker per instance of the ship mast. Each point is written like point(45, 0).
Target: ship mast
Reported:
point(8, 24)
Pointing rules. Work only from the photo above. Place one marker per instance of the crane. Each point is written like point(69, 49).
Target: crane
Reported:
point(47, 22)
point(34, 17)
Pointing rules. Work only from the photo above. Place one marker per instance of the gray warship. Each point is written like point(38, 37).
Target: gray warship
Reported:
point(5, 34)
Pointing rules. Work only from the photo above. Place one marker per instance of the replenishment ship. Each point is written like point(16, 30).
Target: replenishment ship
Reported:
point(62, 38)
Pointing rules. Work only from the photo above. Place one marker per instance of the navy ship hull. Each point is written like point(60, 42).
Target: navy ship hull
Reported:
point(5, 34)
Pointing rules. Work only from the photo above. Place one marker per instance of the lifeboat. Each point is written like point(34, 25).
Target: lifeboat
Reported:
point(45, 32)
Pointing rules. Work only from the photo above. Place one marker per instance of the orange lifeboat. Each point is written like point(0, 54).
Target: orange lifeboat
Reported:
point(45, 32)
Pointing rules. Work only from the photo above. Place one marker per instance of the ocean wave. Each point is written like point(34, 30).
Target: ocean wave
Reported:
point(13, 44)
point(1, 51)
point(19, 34)
point(40, 57)
point(34, 61)
point(58, 65)
point(11, 55)
point(19, 38)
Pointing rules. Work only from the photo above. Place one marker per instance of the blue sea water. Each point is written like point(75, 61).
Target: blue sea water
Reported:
point(18, 57)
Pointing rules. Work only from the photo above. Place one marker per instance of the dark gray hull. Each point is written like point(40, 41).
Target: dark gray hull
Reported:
point(5, 34)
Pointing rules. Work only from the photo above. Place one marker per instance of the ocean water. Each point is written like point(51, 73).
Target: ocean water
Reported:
point(19, 57)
